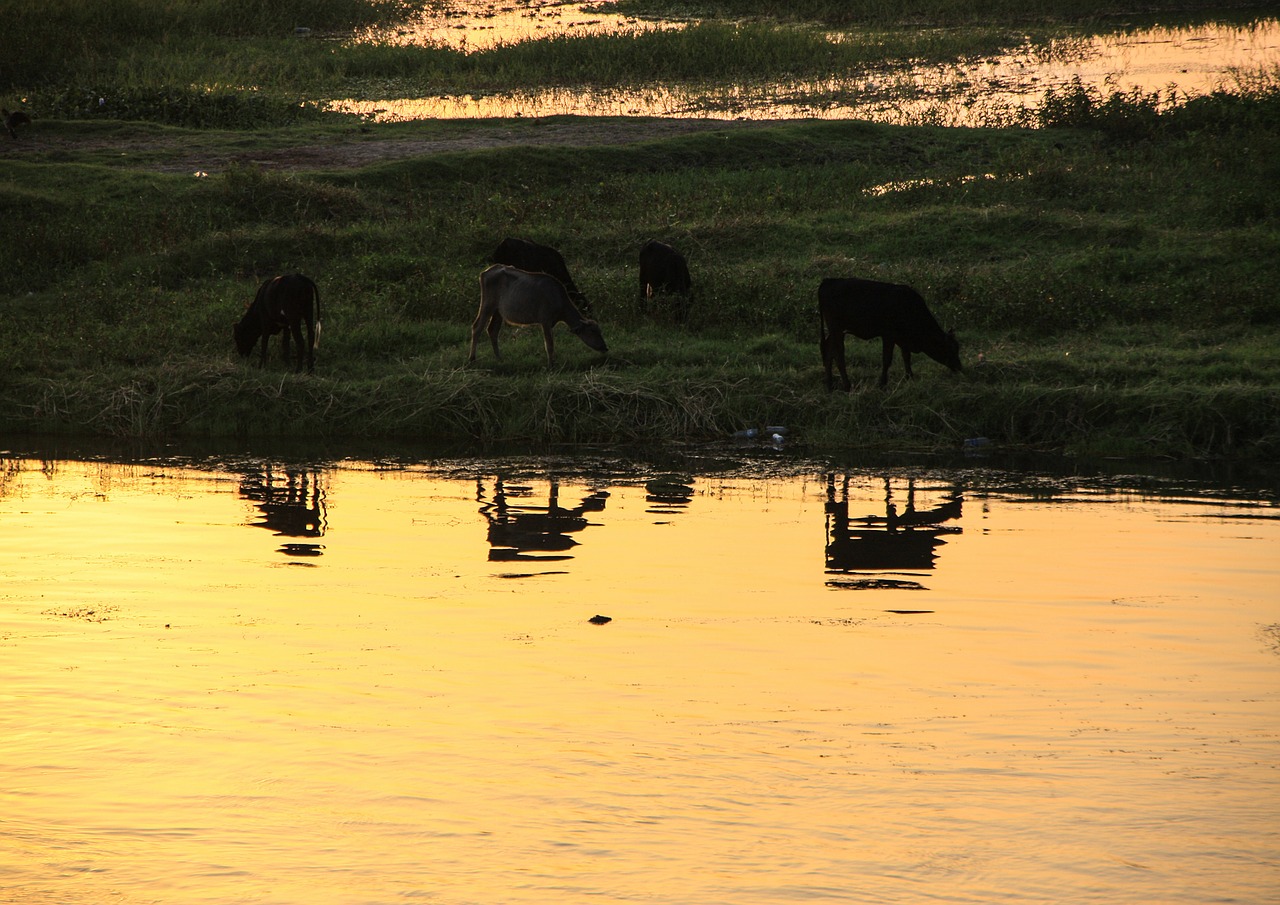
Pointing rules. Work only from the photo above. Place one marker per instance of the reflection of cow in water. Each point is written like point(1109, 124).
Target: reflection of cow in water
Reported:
point(291, 504)
point(903, 541)
point(520, 532)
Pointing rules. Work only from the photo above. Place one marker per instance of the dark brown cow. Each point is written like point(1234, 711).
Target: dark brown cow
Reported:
point(517, 297)
point(13, 120)
point(283, 304)
point(525, 255)
point(897, 314)
point(664, 271)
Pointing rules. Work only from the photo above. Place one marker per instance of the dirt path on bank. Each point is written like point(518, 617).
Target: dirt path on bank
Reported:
point(213, 152)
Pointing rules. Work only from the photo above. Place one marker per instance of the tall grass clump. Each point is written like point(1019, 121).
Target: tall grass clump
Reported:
point(197, 108)
point(209, 63)
point(699, 53)
point(83, 37)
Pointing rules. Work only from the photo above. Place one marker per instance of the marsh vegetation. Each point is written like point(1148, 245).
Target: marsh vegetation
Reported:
point(1110, 264)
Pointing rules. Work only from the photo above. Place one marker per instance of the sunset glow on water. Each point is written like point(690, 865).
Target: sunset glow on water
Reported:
point(1174, 61)
point(256, 682)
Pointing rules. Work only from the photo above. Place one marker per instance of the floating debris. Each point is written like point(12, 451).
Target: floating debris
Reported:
point(875, 584)
point(301, 549)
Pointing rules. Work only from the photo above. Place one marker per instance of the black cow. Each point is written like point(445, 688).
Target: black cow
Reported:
point(517, 297)
point(664, 271)
point(283, 304)
point(13, 120)
point(895, 313)
point(535, 258)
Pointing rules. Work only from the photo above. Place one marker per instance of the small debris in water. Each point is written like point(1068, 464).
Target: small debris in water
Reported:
point(875, 584)
point(600, 620)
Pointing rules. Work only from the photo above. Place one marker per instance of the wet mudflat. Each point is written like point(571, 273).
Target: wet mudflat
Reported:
point(1173, 59)
point(377, 682)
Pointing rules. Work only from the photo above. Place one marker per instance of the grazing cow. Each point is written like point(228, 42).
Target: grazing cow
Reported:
point(535, 258)
point(868, 309)
point(283, 304)
point(663, 270)
point(522, 299)
point(13, 120)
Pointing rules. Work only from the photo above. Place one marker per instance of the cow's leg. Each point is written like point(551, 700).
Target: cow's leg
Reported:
point(476, 328)
point(311, 348)
point(266, 337)
point(906, 362)
point(549, 340)
point(294, 329)
point(836, 339)
point(827, 363)
point(495, 325)
point(886, 359)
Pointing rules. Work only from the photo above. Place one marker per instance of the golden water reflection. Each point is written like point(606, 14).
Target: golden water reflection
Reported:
point(470, 25)
point(1177, 61)
point(1077, 700)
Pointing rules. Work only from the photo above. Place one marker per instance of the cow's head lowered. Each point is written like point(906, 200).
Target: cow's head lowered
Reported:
point(944, 348)
point(247, 331)
point(589, 332)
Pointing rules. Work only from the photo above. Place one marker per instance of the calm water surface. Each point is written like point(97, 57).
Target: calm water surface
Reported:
point(1187, 60)
point(377, 683)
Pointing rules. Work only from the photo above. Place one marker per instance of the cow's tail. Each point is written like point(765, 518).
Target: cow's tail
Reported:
point(315, 294)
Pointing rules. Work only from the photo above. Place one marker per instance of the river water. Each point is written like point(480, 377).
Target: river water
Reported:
point(1176, 60)
point(245, 680)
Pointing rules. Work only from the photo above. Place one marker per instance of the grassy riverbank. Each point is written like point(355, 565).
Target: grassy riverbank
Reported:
point(1111, 295)
point(1113, 276)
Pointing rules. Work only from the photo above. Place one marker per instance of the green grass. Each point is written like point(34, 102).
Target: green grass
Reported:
point(1112, 273)
point(1098, 310)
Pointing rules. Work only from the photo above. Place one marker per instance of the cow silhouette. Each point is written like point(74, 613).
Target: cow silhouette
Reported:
point(290, 503)
point(520, 531)
point(900, 541)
